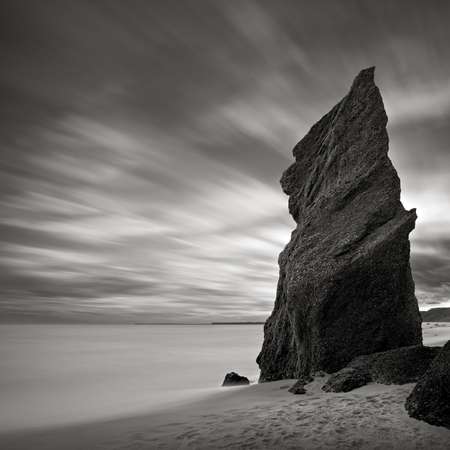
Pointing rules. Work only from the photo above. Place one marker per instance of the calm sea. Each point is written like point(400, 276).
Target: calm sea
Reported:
point(60, 374)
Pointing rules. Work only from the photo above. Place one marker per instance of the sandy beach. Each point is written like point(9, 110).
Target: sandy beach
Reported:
point(261, 416)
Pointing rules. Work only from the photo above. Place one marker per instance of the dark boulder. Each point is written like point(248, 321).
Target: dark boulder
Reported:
point(234, 379)
point(398, 366)
point(430, 398)
point(345, 287)
point(298, 388)
point(346, 380)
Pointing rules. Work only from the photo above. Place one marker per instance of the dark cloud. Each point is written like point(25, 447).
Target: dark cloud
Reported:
point(142, 143)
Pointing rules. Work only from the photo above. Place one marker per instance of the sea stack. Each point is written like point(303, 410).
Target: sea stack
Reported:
point(345, 286)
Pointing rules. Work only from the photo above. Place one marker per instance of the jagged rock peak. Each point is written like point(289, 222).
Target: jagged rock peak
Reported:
point(345, 286)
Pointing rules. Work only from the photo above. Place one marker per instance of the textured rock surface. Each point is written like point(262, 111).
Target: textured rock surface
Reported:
point(345, 286)
point(346, 380)
point(430, 399)
point(398, 366)
point(234, 379)
point(298, 388)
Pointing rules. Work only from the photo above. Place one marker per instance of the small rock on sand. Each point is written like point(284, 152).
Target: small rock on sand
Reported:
point(234, 379)
point(298, 388)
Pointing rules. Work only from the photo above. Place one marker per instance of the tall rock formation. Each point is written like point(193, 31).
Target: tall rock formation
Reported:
point(345, 286)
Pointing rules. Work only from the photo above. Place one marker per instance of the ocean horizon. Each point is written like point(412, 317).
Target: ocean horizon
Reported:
point(63, 374)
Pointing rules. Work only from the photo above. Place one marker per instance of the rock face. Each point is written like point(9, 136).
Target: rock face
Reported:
point(345, 286)
point(347, 379)
point(234, 379)
point(399, 366)
point(430, 399)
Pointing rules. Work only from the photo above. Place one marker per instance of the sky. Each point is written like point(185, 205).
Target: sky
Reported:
point(142, 143)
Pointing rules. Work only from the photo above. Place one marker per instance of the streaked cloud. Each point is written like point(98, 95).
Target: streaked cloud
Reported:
point(142, 146)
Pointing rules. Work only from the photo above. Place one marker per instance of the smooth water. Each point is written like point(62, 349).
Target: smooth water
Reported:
point(60, 374)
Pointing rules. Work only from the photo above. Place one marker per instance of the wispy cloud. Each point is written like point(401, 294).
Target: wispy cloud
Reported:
point(142, 147)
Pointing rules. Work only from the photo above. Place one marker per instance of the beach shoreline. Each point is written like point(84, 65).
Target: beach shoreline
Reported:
point(259, 416)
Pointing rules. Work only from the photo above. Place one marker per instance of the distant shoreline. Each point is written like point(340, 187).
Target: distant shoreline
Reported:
point(131, 323)
point(209, 323)
point(237, 323)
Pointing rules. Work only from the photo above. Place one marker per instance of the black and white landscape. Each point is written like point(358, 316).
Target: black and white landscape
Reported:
point(143, 147)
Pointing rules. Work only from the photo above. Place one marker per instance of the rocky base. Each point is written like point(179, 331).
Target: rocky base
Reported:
point(398, 366)
point(430, 399)
point(346, 380)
